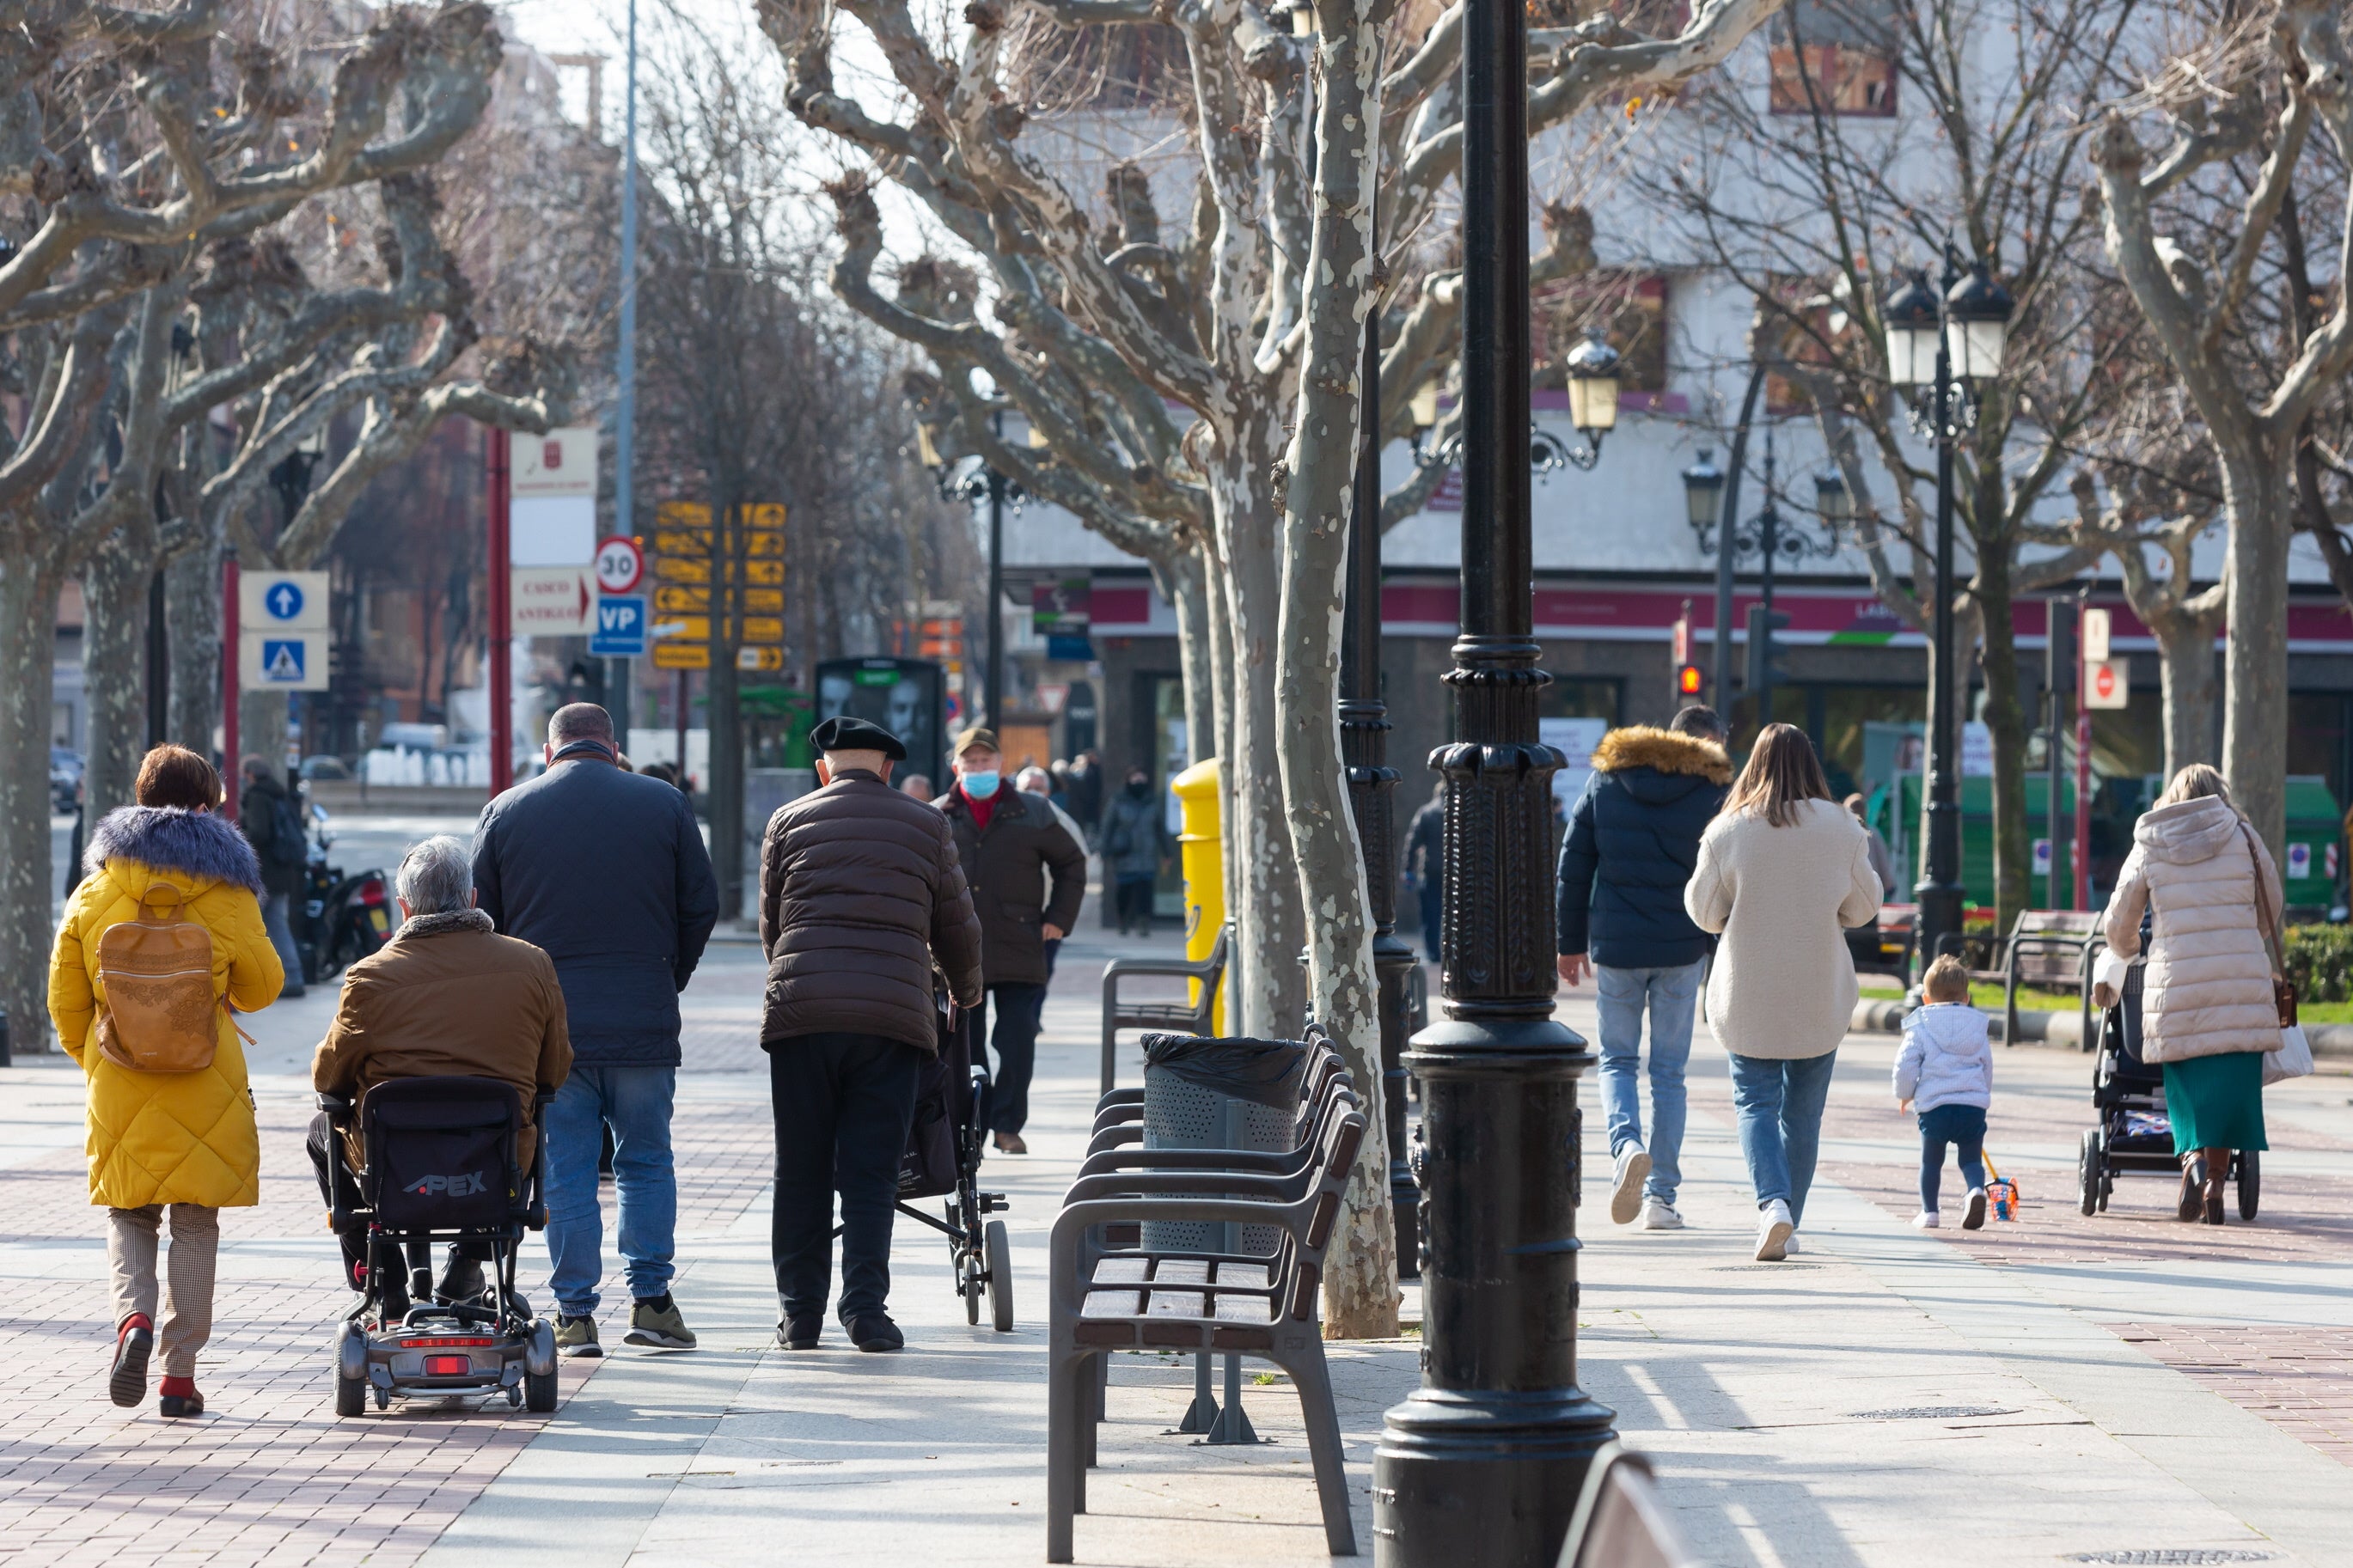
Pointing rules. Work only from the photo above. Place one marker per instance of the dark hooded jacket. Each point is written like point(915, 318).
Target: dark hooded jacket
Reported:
point(1008, 869)
point(1632, 842)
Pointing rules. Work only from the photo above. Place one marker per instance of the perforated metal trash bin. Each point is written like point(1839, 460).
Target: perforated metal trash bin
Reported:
point(1220, 1092)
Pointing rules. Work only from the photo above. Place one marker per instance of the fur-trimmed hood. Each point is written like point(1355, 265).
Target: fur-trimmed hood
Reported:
point(169, 839)
point(1646, 746)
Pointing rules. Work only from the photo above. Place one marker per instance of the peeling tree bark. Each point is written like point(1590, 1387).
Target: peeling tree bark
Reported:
point(114, 672)
point(28, 643)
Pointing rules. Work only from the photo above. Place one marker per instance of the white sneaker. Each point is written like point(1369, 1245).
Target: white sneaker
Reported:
point(1929, 1219)
point(1975, 1216)
point(1633, 1166)
point(1660, 1215)
point(1791, 1249)
point(1774, 1228)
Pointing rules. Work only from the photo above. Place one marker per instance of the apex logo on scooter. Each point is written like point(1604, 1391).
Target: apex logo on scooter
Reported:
point(463, 1184)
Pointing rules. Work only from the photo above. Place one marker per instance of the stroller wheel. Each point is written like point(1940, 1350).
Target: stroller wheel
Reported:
point(2091, 1174)
point(968, 1284)
point(2250, 1183)
point(1000, 1278)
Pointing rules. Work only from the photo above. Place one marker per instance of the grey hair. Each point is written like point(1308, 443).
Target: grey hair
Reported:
point(435, 877)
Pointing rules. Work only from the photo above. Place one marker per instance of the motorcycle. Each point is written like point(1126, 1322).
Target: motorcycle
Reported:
point(344, 917)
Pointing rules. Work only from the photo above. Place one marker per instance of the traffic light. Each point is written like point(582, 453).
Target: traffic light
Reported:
point(1689, 681)
point(1764, 670)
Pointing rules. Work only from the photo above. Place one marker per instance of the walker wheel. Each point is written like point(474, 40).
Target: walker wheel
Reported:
point(2250, 1183)
point(1000, 1278)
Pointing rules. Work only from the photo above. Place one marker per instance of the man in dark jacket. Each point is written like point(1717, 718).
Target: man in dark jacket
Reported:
point(1425, 865)
point(1134, 848)
point(605, 871)
point(271, 821)
point(1009, 843)
point(861, 893)
point(1632, 842)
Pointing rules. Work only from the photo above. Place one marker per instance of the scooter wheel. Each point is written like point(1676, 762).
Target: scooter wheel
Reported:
point(351, 1395)
point(538, 1393)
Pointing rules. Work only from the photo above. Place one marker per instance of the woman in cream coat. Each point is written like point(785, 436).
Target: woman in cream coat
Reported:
point(1782, 870)
point(2208, 1013)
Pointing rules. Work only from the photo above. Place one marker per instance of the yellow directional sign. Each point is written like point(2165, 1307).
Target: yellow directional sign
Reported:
point(697, 628)
point(681, 656)
point(690, 569)
point(767, 659)
point(676, 598)
point(757, 542)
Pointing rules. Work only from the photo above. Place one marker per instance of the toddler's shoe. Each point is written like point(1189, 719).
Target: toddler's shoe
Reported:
point(1929, 1219)
point(1634, 1167)
point(1774, 1228)
point(1660, 1215)
point(1976, 1215)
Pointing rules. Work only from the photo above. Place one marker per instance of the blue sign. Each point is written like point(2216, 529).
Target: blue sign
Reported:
point(282, 660)
point(284, 602)
point(620, 626)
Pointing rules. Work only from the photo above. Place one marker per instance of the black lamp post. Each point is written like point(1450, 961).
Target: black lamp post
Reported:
point(1939, 343)
point(1372, 788)
point(973, 487)
point(1484, 1462)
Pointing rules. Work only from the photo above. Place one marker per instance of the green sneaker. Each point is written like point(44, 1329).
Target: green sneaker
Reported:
point(577, 1337)
point(658, 1324)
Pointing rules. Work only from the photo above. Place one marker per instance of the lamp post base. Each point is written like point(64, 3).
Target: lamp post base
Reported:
point(1481, 1476)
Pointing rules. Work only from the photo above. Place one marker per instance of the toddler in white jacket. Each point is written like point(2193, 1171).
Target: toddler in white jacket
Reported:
point(1945, 1072)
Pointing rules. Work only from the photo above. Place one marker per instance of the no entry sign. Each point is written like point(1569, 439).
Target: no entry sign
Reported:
point(2105, 685)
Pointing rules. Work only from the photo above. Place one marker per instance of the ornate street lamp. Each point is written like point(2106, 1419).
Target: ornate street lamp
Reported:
point(1592, 373)
point(1939, 344)
point(972, 487)
point(1833, 503)
point(1484, 1462)
point(1703, 494)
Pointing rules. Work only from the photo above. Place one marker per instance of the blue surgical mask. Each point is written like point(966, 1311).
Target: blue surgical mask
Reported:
point(980, 785)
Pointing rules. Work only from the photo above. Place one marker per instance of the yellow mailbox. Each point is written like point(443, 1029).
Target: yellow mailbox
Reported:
point(1205, 867)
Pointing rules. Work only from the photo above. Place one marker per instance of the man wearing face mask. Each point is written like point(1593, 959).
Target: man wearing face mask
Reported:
point(1012, 845)
point(1134, 848)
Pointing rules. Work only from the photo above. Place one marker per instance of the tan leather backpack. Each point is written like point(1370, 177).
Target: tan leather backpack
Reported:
point(160, 1013)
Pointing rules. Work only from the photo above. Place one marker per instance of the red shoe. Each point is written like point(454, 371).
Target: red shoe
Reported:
point(180, 1398)
point(134, 1341)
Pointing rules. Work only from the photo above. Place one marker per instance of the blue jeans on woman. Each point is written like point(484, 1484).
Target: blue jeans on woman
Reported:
point(1780, 1108)
point(1670, 996)
point(636, 1101)
point(1963, 1125)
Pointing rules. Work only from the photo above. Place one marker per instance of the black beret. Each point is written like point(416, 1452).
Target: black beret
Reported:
point(847, 734)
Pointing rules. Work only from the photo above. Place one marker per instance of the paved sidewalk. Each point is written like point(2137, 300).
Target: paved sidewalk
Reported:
point(2058, 1387)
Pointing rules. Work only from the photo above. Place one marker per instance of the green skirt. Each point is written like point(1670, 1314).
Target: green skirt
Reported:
point(2215, 1102)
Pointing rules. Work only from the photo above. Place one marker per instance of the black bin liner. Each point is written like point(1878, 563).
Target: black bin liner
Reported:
point(1264, 1072)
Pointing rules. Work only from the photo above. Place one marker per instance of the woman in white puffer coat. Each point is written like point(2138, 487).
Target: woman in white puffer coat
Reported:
point(2208, 1013)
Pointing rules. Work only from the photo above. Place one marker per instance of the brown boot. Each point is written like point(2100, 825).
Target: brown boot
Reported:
point(2218, 1170)
point(2192, 1203)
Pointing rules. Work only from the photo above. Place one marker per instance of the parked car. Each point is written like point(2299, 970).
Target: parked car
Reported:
point(65, 777)
point(325, 766)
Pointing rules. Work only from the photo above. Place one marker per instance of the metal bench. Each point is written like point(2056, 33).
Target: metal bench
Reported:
point(2049, 949)
point(1105, 1299)
point(1175, 1018)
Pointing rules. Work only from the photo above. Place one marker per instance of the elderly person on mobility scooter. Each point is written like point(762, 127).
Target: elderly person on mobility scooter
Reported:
point(446, 997)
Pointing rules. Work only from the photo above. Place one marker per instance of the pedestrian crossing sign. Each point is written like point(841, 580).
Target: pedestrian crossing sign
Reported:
point(280, 660)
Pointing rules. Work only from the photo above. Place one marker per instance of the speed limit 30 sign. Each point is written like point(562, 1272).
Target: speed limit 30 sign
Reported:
point(619, 564)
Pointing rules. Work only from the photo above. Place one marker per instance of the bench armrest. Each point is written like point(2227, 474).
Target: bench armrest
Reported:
point(1174, 968)
point(1113, 1137)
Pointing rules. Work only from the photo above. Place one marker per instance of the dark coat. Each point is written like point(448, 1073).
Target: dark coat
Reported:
point(256, 817)
point(861, 890)
point(1425, 843)
point(1007, 869)
point(1632, 842)
point(605, 871)
point(1135, 837)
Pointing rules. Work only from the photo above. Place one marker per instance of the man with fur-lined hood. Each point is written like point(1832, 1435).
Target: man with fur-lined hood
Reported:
point(1632, 844)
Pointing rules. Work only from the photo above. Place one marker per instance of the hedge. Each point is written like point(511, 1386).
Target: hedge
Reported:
point(2320, 962)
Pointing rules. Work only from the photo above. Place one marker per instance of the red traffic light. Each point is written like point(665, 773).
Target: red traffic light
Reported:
point(1688, 680)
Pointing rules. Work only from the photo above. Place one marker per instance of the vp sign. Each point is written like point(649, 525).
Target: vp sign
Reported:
point(620, 631)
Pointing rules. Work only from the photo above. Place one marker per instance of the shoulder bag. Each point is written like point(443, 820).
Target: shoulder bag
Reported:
point(2292, 1058)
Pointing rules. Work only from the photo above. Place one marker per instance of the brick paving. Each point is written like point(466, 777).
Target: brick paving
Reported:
point(2298, 1379)
point(270, 1475)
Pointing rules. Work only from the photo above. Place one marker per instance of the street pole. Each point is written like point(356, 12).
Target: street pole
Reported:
point(995, 601)
point(501, 619)
point(1372, 789)
point(1483, 1463)
point(2054, 681)
point(1939, 893)
point(232, 677)
point(1727, 547)
point(625, 406)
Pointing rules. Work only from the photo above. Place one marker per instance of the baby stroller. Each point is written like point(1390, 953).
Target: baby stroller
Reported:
point(943, 1159)
point(442, 1165)
point(2133, 1133)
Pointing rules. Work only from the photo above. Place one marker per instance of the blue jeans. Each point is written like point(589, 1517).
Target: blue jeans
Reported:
point(1781, 1107)
point(636, 1100)
point(1963, 1125)
point(1672, 998)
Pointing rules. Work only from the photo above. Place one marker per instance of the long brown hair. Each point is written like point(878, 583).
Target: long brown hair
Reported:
point(1782, 771)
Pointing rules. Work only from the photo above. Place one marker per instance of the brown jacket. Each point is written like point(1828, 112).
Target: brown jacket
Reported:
point(859, 892)
point(448, 996)
point(1008, 868)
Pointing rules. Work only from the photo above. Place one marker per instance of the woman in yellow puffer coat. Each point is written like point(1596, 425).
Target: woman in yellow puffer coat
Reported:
point(182, 1138)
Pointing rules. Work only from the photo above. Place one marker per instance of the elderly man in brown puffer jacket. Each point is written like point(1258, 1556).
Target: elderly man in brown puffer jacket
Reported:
point(861, 894)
